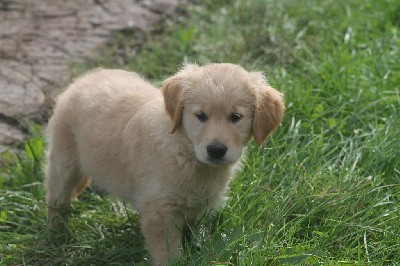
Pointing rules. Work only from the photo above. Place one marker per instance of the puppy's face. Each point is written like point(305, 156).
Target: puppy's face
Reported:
point(218, 128)
point(219, 107)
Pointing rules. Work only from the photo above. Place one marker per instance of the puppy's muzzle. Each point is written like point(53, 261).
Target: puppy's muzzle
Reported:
point(216, 151)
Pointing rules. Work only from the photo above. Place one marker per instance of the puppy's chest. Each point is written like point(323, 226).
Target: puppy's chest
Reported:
point(204, 192)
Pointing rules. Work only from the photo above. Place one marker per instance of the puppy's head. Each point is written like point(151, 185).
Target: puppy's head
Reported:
point(219, 107)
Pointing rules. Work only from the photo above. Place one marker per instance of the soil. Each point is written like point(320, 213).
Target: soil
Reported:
point(40, 38)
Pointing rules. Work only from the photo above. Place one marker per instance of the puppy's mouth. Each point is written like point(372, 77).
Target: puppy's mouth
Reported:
point(214, 154)
point(217, 162)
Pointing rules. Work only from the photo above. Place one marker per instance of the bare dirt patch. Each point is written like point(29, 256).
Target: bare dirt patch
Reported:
point(40, 38)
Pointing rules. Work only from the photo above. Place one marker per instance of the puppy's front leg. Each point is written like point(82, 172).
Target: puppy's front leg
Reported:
point(162, 229)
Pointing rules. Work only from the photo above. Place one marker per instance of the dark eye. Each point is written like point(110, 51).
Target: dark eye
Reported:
point(201, 116)
point(235, 117)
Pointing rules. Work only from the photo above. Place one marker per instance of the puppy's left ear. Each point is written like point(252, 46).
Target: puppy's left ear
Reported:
point(269, 108)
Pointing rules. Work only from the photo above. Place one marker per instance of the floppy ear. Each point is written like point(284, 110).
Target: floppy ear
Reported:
point(173, 91)
point(269, 108)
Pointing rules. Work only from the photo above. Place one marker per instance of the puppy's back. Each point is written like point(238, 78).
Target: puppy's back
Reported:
point(103, 94)
point(95, 108)
point(101, 87)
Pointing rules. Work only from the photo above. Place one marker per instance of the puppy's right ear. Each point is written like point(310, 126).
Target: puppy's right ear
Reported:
point(172, 89)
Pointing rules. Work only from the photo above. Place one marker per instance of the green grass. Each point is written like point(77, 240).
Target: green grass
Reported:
point(324, 189)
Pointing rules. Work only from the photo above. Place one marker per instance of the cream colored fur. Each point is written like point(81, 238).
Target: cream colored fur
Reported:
point(151, 147)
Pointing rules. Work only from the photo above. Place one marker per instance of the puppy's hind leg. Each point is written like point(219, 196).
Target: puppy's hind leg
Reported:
point(64, 181)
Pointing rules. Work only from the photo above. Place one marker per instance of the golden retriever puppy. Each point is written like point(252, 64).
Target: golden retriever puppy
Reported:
point(169, 152)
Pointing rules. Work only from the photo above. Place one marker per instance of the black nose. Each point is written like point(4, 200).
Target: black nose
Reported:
point(216, 151)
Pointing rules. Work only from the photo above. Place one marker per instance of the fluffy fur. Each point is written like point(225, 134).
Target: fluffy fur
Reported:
point(170, 152)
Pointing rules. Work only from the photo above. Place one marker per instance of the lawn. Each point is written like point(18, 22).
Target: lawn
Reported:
point(323, 189)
